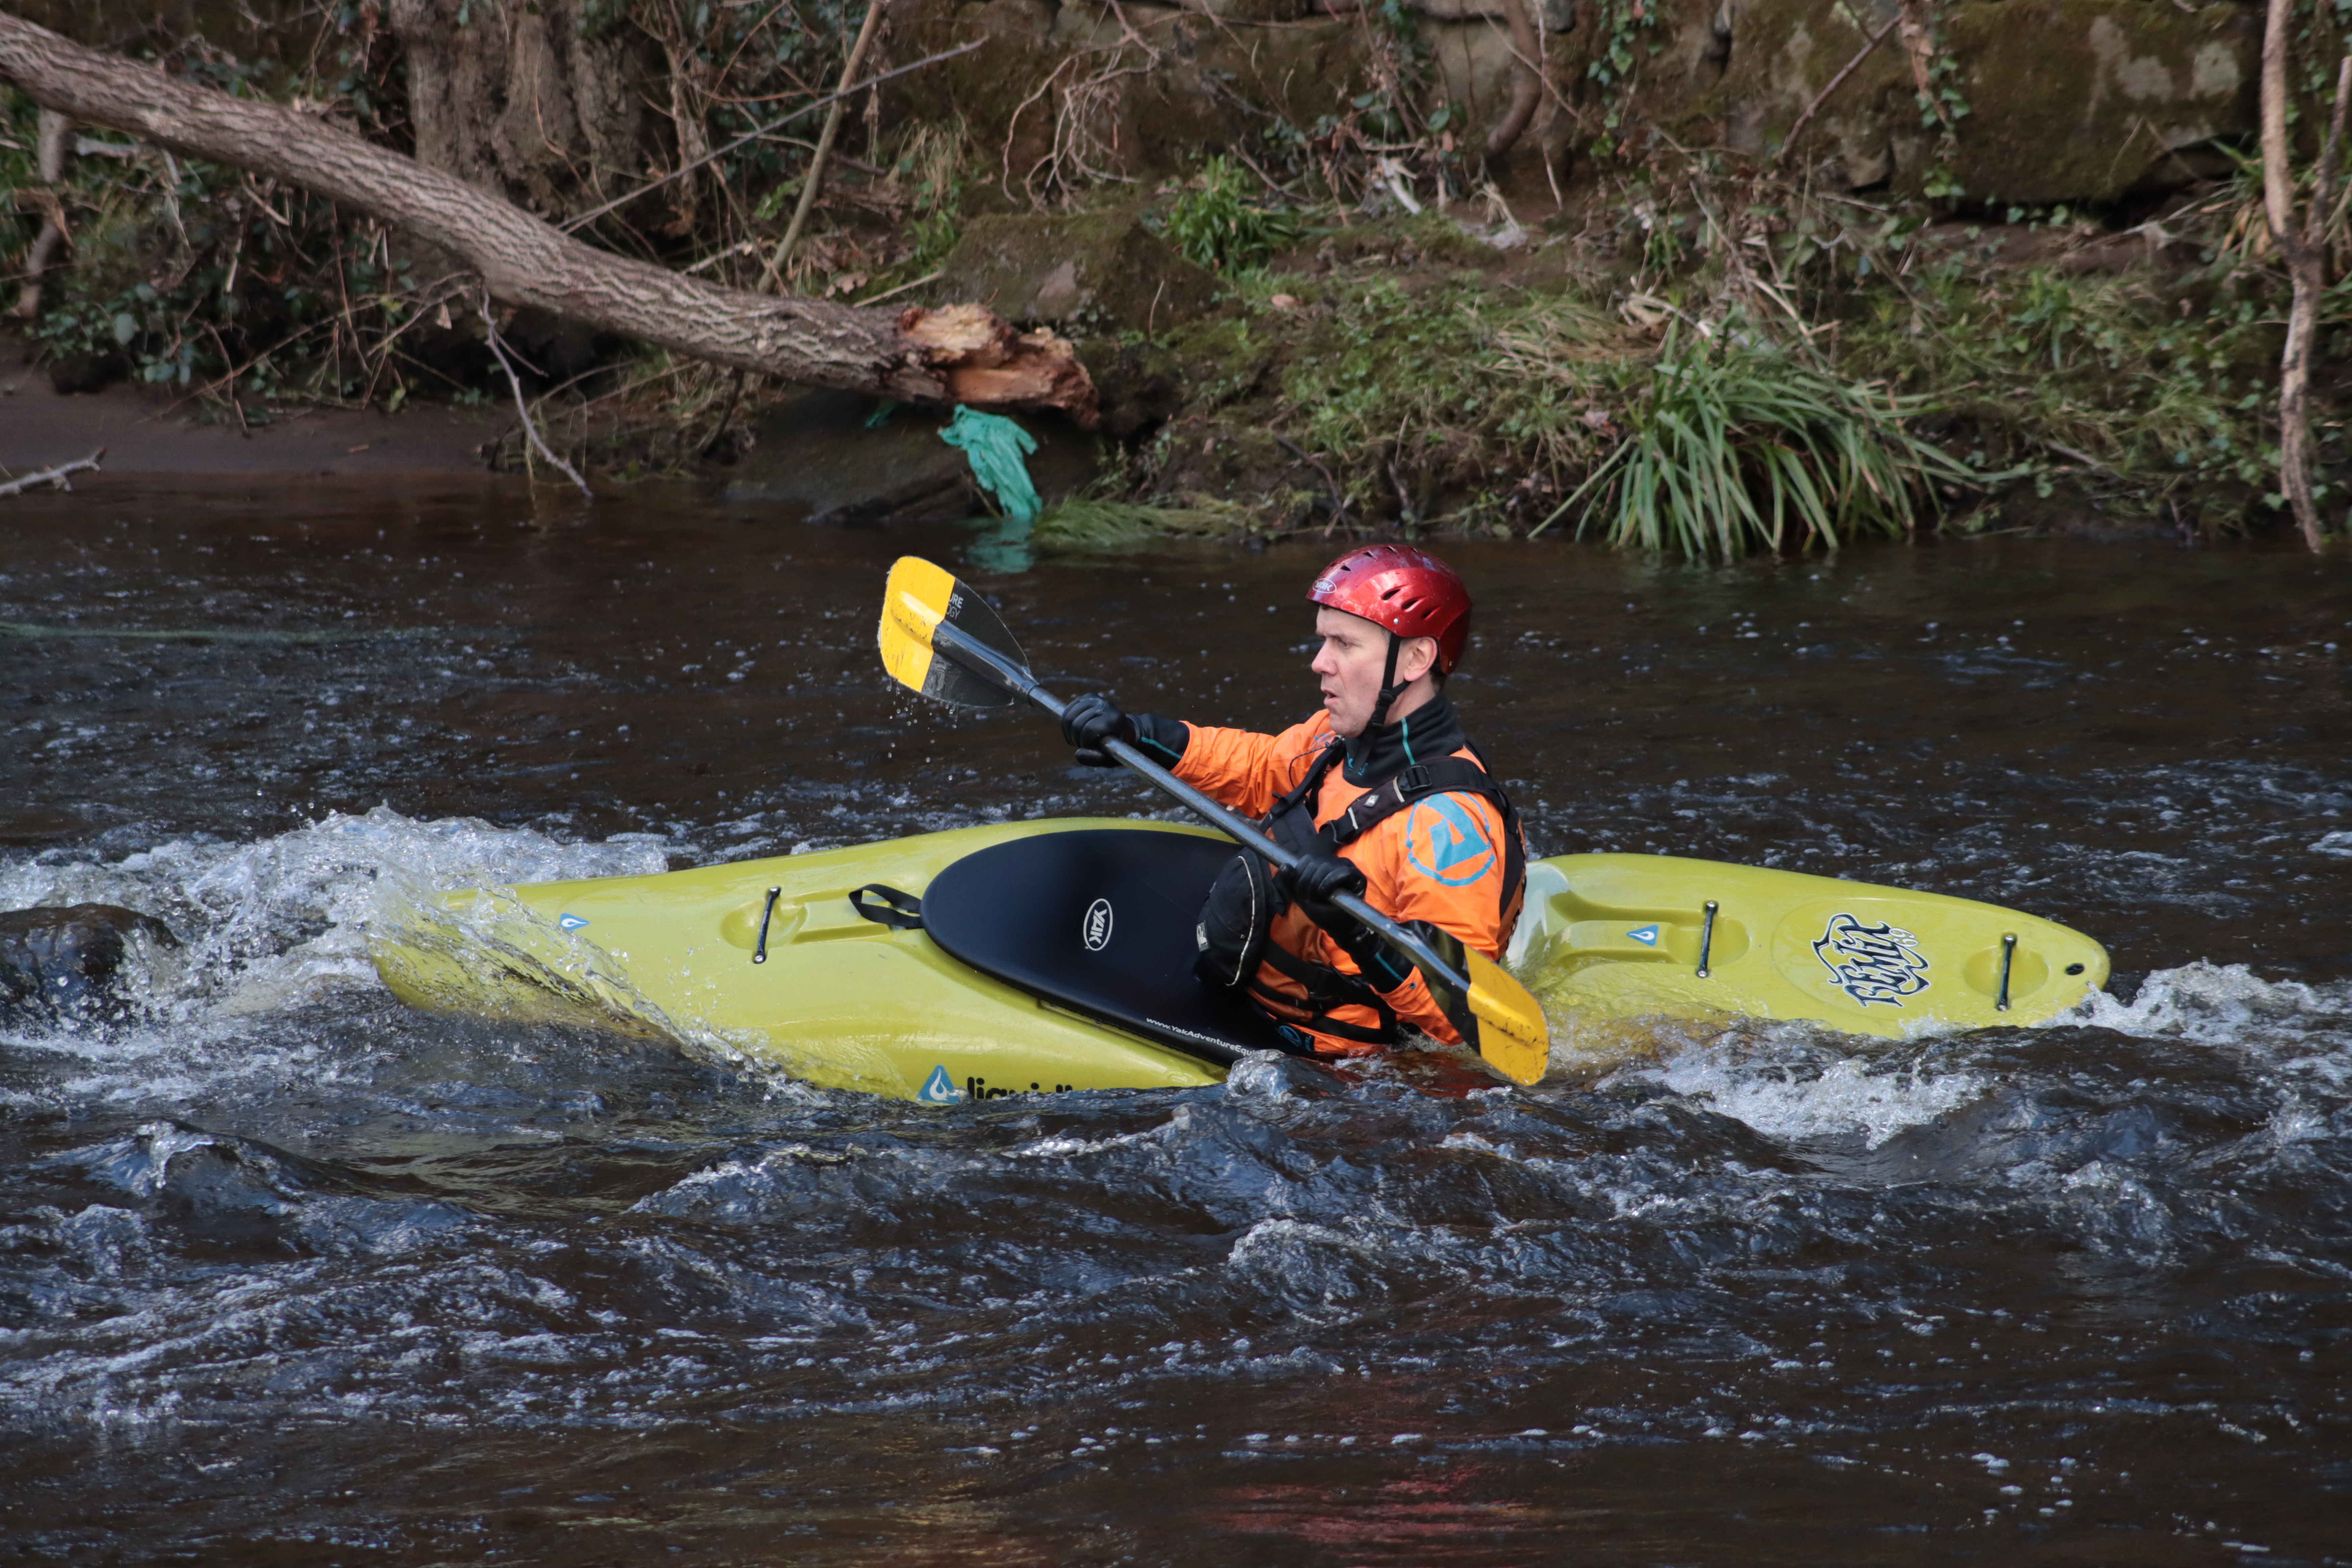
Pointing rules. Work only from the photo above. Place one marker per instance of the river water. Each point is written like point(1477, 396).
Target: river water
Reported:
point(288, 1273)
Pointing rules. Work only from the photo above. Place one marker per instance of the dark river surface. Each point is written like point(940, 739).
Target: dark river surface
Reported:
point(291, 1273)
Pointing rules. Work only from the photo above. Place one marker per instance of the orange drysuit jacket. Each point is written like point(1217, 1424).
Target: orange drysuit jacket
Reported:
point(1440, 860)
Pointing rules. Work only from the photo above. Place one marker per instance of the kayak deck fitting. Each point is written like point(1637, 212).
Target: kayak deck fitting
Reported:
point(1047, 956)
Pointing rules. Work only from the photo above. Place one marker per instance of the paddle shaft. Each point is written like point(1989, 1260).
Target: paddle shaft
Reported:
point(992, 666)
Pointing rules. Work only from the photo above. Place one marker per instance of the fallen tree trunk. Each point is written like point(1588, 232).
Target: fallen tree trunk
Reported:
point(961, 353)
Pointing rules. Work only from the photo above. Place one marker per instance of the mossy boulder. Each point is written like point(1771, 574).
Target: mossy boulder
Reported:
point(2069, 101)
point(1069, 92)
point(1091, 272)
point(2106, 96)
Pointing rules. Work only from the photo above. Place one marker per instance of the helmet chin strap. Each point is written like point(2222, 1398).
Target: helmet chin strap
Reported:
point(1389, 689)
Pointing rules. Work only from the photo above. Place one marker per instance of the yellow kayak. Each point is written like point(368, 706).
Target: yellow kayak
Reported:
point(1042, 957)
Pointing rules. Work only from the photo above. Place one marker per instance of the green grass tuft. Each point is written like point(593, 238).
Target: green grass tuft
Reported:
point(1730, 443)
point(1089, 523)
point(1218, 223)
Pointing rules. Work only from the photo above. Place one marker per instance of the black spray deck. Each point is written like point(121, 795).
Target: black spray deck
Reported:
point(1100, 921)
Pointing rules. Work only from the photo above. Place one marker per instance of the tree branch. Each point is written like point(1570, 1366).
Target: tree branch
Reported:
point(1788, 143)
point(2307, 265)
point(522, 407)
point(56, 476)
point(814, 177)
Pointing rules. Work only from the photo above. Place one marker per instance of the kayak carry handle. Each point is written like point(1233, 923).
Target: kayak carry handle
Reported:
point(1707, 938)
point(767, 912)
point(2008, 957)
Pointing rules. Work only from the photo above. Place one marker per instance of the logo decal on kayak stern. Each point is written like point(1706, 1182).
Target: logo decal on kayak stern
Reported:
point(1443, 840)
point(938, 1089)
point(1095, 929)
point(1871, 963)
point(569, 922)
point(1647, 935)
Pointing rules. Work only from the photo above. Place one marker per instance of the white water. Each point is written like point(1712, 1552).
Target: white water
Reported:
point(266, 930)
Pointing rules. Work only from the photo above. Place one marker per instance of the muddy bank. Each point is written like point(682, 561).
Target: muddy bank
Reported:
point(151, 431)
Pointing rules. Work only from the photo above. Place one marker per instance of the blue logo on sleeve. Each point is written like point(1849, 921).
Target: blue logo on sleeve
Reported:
point(937, 1090)
point(1647, 935)
point(1443, 840)
point(569, 922)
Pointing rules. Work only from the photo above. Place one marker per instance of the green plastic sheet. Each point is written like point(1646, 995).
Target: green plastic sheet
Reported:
point(997, 450)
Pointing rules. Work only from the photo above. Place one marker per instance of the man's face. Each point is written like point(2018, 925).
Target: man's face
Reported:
point(1354, 654)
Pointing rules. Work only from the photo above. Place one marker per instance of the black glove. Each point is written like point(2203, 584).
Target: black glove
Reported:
point(1090, 720)
point(1319, 881)
point(1315, 885)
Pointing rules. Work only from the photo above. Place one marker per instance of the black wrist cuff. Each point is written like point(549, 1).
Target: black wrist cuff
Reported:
point(1162, 739)
point(1381, 964)
point(1378, 963)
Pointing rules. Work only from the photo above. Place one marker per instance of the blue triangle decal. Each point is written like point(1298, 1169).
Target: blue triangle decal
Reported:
point(1456, 847)
point(569, 922)
point(937, 1090)
point(1647, 935)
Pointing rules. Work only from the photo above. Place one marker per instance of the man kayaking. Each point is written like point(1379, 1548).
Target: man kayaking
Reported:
point(1381, 790)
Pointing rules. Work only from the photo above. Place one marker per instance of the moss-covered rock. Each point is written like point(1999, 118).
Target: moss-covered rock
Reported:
point(1091, 272)
point(2085, 100)
point(2069, 101)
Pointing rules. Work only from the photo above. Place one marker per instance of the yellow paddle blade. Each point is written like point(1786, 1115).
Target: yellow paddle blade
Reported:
point(918, 599)
point(914, 601)
point(1513, 1038)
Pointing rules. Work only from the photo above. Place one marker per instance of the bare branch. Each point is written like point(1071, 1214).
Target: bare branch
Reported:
point(1788, 143)
point(56, 476)
point(523, 408)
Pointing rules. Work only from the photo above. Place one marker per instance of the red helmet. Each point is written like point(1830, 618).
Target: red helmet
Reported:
point(1409, 591)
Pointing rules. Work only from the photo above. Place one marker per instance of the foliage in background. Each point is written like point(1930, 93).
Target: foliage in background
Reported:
point(1216, 223)
point(1415, 379)
point(1627, 34)
point(246, 293)
point(1732, 443)
point(196, 276)
point(1842, 364)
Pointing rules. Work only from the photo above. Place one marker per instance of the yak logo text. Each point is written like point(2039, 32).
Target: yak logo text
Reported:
point(1095, 930)
point(1872, 962)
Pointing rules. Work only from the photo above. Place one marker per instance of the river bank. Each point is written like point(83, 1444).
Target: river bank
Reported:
point(1688, 308)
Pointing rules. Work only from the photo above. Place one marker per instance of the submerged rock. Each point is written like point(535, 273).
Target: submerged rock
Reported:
point(834, 457)
point(65, 960)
